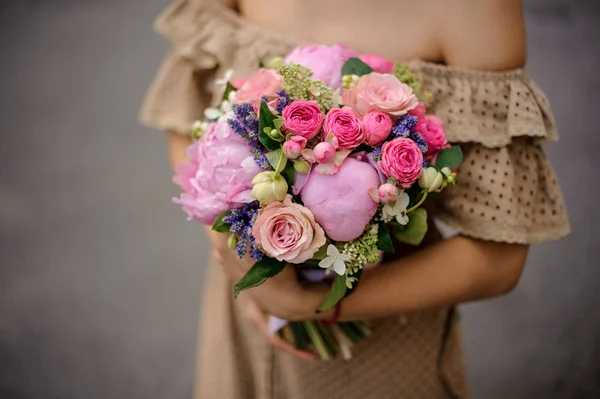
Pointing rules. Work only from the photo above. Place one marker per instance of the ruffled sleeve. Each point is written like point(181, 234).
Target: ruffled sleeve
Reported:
point(506, 189)
point(207, 39)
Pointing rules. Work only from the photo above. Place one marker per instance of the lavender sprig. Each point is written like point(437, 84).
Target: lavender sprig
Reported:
point(284, 101)
point(241, 222)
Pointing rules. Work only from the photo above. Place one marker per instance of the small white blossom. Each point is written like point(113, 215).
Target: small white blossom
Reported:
point(226, 78)
point(397, 210)
point(335, 260)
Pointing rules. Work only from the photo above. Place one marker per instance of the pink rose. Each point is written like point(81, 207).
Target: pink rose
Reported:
point(325, 62)
point(294, 146)
point(264, 82)
point(341, 202)
point(380, 92)
point(401, 160)
point(377, 126)
point(377, 63)
point(346, 126)
point(418, 111)
point(324, 152)
point(288, 232)
point(303, 118)
point(218, 176)
point(432, 129)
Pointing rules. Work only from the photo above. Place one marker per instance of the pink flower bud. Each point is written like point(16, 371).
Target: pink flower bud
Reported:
point(324, 152)
point(388, 193)
point(294, 146)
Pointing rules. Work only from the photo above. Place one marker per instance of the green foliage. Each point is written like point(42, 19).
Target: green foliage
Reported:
point(266, 120)
point(300, 86)
point(415, 230)
point(228, 89)
point(384, 241)
point(289, 174)
point(219, 225)
point(355, 66)
point(277, 160)
point(259, 273)
point(335, 294)
point(449, 157)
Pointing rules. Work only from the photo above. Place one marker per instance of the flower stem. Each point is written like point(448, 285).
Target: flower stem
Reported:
point(281, 158)
point(418, 204)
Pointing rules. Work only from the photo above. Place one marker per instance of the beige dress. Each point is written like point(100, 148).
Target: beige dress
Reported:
point(506, 191)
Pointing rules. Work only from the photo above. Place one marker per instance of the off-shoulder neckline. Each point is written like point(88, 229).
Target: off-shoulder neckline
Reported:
point(433, 68)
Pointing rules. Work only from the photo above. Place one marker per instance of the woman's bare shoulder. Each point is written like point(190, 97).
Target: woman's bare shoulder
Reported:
point(487, 35)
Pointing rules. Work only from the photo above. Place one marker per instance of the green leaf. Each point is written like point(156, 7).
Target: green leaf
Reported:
point(289, 174)
point(278, 123)
point(266, 119)
point(415, 229)
point(355, 66)
point(335, 294)
point(219, 225)
point(384, 241)
point(258, 274)
point(449, 157)
point(321, 253)
point(228, 89)
point(274, 158)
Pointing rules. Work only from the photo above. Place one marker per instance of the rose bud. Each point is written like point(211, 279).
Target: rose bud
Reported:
point(269, 187)
point(388, 193)
point(324, 152)
point(431, 180)
point(294, 146)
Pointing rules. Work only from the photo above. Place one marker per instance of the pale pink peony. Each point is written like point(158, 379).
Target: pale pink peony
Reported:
point(294, 146)
point(432, 129)
point(288, 232)
point(264, 82)
point(218, 176)
point(325, 62)
point(402, 160)
point(341, 202)
point(377, 63)
point(303, 118)
point(380, 92)
point(377, 126)
point(346, 126)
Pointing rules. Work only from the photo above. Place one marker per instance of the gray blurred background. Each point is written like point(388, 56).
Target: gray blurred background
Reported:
point(100, 279)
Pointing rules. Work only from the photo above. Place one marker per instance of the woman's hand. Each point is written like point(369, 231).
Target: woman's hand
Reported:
point(260, 320)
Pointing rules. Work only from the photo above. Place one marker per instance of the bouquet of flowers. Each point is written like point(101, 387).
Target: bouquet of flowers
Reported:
point(317, 161)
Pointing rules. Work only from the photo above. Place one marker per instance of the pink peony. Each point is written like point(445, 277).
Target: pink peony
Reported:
point(288, 232)
point(346, 126)
point(294, 146)
point(377, 63)
point(432, 129)
point(325, 62)
point(401, 160)
point(218, 176)
point(381, 92)
point(341, 202)
point(264, 82)
point(303, 118)
point(377, 126)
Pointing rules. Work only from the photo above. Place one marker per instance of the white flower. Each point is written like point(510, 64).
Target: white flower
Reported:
point(212, 113)
point(336, 259)
point(226, 78)
point(397, 210)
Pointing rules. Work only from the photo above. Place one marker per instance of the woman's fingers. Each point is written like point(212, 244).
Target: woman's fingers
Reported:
point(261, 321)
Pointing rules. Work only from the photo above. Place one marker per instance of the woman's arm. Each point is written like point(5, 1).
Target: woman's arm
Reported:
point(457, 270)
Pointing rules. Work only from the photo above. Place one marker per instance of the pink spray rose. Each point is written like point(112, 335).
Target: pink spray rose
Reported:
point(341, 202)
point(218, 176)
point(377, 126)
point(303, 118)
point(432, 129)
point(381, 92)
point(418, 111)
point(264, 82)
point(377, 63)
point(325, 62)
point(402, 160)
point(288, 232)
point(346, 126)
point(294, 146)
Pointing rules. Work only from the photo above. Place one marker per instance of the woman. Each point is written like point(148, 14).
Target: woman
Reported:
point(469, 54)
